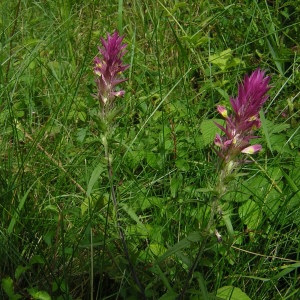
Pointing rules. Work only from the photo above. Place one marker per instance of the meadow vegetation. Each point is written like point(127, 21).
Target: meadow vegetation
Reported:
point(75, 227)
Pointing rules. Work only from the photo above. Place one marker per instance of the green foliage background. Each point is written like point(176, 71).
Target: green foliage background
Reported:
point(58, 231)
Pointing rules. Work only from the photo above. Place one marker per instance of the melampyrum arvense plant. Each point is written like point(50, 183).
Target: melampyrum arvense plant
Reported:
point(239, 130)
point(108, 68)
point(235, 141)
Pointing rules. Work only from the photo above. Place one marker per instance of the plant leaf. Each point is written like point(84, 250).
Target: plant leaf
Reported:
point(231, 293)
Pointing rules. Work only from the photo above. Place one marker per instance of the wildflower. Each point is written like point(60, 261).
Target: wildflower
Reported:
point(108, 69)
point(245, 117)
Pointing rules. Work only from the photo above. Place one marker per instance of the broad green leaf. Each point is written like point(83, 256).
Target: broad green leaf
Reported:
point(129, 210)
point(39, 295)
point(8, 287)
point(182, 164)
point(278, 142)
point(139, 230)
point(157, 249)
point(143, 203)
point(154, 160)
point(223, 93)
point(32, 42)
point(251, 214)
point(170, 295)
point(209, 130)
point(275, 128)
point(52, 208)
point(236, 196)
point(48, 236)
point(82, 116)
point(272, 204)
point(194, 236)
point(37, 259)
point(225, 60)
point(255, 186)
point(19, 271)
point(221, 59)
point(85, 205)
point(156, 234)
point(196, 39)
point(232, 293)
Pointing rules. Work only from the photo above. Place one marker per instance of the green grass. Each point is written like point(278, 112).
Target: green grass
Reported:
point(59, 236)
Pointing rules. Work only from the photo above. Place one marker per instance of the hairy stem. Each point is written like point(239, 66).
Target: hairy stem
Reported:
point(120, 229)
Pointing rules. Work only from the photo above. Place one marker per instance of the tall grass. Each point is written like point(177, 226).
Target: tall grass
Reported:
point(59, 234)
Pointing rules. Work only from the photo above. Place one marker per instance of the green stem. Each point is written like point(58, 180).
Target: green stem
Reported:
point(214, 207)
point(221, 188)
point(120, 228)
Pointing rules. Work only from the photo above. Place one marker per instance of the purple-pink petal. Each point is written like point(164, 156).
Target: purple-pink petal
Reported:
point(251, 95)
point(109, 66)
point(222, 111)
point(252, 149)
point(237, 132)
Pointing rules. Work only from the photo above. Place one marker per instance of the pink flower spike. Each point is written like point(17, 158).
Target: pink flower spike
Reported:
point(108, 68)
point(244, 120)
point(252, 149)
point(251, 96)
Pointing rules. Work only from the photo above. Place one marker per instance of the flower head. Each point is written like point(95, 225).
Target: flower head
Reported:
point(250, 99)
point(108, 68)
point(252, 94)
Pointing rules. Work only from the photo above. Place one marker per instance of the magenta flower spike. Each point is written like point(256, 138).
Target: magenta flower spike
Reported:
point(109, 67)
point(239, 126)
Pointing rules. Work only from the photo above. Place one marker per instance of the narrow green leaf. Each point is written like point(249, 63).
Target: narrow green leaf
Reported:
point(286, 270)
point(157, 249)
point(184, 243)
point(17, 211)
point(120, 17)
point(275, 56)
point(265, 129)
point(131, 213)
point(94, 177)
point(291, 182)
point(251, 214)
point(227, 221)
point(202, 285)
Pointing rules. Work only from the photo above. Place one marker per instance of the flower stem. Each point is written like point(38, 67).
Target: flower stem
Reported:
point(119, 227)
